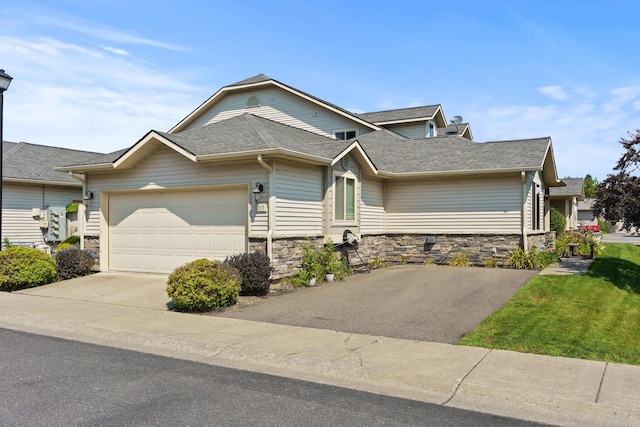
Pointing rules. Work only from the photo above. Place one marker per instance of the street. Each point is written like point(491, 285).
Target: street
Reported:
point(47, 381)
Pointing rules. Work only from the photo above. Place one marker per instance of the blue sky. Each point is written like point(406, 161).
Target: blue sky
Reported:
point(98, 75)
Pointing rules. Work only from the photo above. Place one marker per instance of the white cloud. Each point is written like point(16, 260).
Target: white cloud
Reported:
point(102, 32)
point(585, 140)
point(116, 51)
point(72, 96)
point(554, 92)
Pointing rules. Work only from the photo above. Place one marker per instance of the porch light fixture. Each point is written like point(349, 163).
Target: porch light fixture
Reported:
point(88, 195)
point(259, 188)
point(5, 81)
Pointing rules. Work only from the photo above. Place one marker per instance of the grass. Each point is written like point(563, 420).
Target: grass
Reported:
point(593, 316)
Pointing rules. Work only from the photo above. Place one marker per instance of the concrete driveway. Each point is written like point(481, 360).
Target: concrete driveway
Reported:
point(132, 290)
point(418, 302)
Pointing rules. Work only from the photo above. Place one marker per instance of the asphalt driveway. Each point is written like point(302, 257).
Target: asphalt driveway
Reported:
point(418, 302)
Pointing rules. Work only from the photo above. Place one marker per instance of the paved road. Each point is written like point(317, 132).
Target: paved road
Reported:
point(418, 302)
point(52, 382)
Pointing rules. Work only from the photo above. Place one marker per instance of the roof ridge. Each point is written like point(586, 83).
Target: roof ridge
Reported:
point(257, 127)
point(400, 109)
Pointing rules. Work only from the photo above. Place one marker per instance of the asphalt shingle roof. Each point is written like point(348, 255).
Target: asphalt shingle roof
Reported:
point(34, 162)
point(574, 188)
point(399, 114)
point(388, 151)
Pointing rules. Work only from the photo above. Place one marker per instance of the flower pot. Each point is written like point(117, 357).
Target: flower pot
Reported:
point(329, 277)
point(312, 281)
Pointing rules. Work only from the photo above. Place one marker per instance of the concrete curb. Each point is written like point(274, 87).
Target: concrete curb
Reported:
point(539, 388)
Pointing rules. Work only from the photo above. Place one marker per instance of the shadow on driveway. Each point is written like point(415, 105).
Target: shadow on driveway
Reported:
point(417, 302)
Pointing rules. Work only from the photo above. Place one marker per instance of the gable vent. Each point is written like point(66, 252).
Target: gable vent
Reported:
point(345, 163)
point(253, 102)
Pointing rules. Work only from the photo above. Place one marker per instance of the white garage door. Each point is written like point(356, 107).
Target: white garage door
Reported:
point(159, 231)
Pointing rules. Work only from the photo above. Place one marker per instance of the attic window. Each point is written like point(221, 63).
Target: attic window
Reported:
point(431, 130)
point(253, 102)
point(345, 134)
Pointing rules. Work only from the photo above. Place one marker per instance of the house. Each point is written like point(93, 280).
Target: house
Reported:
point(263, 166)
point(585, 212)
point(30, 182)
point(566, 200)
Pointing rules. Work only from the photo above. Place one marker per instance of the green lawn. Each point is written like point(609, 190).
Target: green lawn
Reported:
point(593, 316)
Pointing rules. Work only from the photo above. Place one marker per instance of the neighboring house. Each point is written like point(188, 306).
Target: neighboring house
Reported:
point(263, 166)
point(585, 212)
point(567, 199)
point(30, 182)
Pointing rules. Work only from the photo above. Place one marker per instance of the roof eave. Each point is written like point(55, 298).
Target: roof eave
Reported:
point(460, 172)
point(41, 182)
point(273, 152)
point(220, 93)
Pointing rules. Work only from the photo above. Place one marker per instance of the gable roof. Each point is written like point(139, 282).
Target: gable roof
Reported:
point(382, 152)
point(574, 188)
point(262, 80)
point(405, 115)
point(33, 163)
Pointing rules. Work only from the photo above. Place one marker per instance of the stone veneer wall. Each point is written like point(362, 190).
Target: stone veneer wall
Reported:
point(287, 253)
point(393, 248)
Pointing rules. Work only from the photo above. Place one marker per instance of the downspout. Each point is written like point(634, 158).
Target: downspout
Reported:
point(525, 244)
point(81, 208)
point(271, 214)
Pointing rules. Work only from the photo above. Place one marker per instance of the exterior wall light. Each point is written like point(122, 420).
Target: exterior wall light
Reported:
point(259, 188)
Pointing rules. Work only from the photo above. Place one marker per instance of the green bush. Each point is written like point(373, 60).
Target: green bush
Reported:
point(584, 241)
point(460, 259)
point(255, 272)
point(531, 260)
point(68, 242)
point(73, 262)
point(203, 285)
point(557, 221)
point(25, 268)
point(333, 262)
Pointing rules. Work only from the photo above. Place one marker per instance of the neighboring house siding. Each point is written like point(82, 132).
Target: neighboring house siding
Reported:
point(280, 106)
point(410, 130)
point(454, 206)
point(298, 192)
point(18, 224)
point(167, 169)
point(372, 206)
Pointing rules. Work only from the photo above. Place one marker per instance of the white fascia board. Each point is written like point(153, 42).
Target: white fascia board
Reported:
point(219, 94)
point(121, 162)
point(244, 155)
point(400, 121)
point(355, 146)
point(41, 182)
point(469, 172)
point(85, 168)
point(210, 101)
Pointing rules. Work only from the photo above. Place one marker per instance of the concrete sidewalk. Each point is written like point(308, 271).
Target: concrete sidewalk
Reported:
point(539, 388)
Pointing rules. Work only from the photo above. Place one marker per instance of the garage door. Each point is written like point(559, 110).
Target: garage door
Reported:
point(159, 231)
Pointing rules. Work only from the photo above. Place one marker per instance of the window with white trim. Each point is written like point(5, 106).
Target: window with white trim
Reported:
point(344, 134)
point(431, 129)
point(344, 197)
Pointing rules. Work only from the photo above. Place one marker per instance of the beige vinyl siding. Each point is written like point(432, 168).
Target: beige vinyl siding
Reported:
point(372, 206)
point(454, 206)
point(281, 106)
point(18, 224)
point(298, 192)
point(410, 130)
point(167, 169)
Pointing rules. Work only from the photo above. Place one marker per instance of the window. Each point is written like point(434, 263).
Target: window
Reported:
point(345, 134)
point(345, 198)
point(536, 207)
point(431, 130)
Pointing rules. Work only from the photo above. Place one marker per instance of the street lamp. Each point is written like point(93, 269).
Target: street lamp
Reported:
point(5, 81)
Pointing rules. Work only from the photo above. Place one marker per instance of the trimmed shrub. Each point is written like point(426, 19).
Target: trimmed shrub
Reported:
point(255, 272)
point(557, 221)
point(68, 242)
point(73, 262)
point(22, 268)
point(203, 285)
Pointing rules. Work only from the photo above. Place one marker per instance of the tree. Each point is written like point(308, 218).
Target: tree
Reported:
point(590, 185)
point(618, 196)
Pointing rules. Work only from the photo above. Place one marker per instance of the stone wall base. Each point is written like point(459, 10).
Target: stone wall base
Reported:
point(391, 248)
